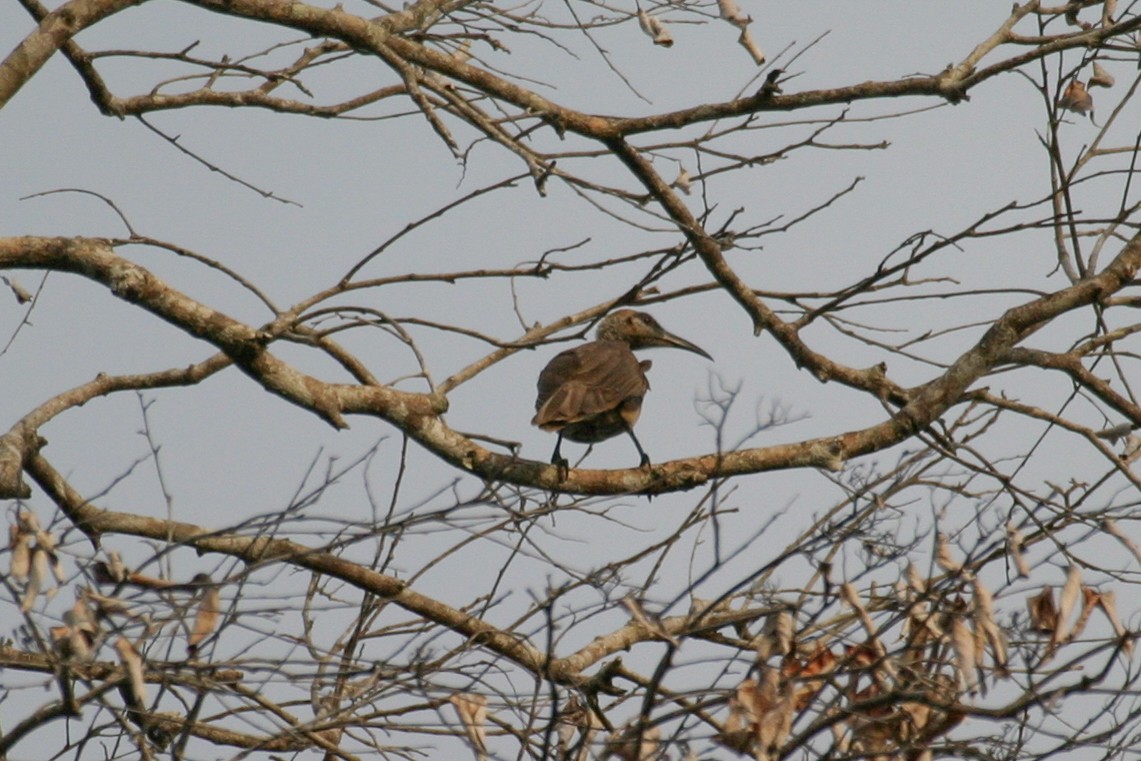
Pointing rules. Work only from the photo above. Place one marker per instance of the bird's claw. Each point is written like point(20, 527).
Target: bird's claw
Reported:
point(563, 467)
point(645, 464)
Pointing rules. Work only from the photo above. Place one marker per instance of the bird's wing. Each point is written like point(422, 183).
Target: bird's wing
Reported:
point(587, 380)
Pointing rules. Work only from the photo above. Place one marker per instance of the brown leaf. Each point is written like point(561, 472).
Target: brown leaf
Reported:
point(627, 746)
point(655, 29)
point(113, 570)
point(1015, 546)
point(107, 606)
point(472, 710)
point(38, 579)
point(745, 40)
point(22, 295)
point(740, 728)
point(77, 638)
point(20, 543)
point(1071, 591)
point(822, 661)
point(1043, 613)
point(1071, 14)
point(131, 659)
point(206, 619)
point(1090, 599)
point(682, 182)
point(1101, 77)
point(986, 625)
point(780, 629)
point(580, 720)
point(943, 555)
point(1108, 8)
point(1108, 602)
point(774, 729)
point(1076, 98)
point(963, 641)
point(729, 11)
point(915, 580)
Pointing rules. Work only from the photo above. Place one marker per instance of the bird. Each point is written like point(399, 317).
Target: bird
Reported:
point(594, 392)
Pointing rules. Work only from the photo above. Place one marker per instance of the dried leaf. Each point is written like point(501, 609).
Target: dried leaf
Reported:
point(472, 710)
point(20, 543)
point(1108, 603)
point(943, 557)
point(986, 624)
point(36, 563)
point(56, 567)
point(1076, 98)
point(682, 182)
point(1015, 546)
point(38, 579)
point(1071, 15)
point(963, 641)
point(462, 54)
point(1108, 8)
point(775, 727)
point(21, 294)
point(107, 606)
point(1090, 598)
point(760, 714)
point(1131, 450)
point(115, 567)
point(133, 661)
point(915, 580)
point(729, 11)
point(1101, 77)
point(1043, 613)
point(206, 618)
point(76, 639)
point(28, 522)
point(576, 718)
point(740, 727)
point(860, 656)
point(1115, 433)
point(887, 667)
point(627, 746)
point(1071, 591)
point(655, 29)
point(850, 596)
point(919, 628)
point(60, 636)
point(1110, 527)
point(779, 629)
point(809, 674)
point(745, 40)
point(80, 615)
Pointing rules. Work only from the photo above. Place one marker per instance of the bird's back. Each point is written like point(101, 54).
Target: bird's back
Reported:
point(588, 381)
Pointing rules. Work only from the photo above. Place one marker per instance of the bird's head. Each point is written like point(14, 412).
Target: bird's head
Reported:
point(641, 331)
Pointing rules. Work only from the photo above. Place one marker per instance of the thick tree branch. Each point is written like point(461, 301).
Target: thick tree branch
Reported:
point(57, 28)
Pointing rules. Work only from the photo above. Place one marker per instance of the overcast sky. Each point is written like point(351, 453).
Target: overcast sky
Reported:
point(231, 452)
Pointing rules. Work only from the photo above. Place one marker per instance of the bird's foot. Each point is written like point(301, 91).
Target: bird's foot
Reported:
point(645, 464)
point(563, 467)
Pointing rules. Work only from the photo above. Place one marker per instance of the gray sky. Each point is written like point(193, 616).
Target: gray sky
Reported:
point(231, 452)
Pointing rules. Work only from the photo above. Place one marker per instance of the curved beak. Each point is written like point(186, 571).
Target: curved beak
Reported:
point(677, 342)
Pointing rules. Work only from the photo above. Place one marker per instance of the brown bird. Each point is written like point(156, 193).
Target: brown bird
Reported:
point(594, 391)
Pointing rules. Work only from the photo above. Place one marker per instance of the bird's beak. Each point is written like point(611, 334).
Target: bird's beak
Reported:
point(677, 342)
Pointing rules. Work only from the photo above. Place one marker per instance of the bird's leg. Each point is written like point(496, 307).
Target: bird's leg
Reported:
point(559, 461)
point(645, 462)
